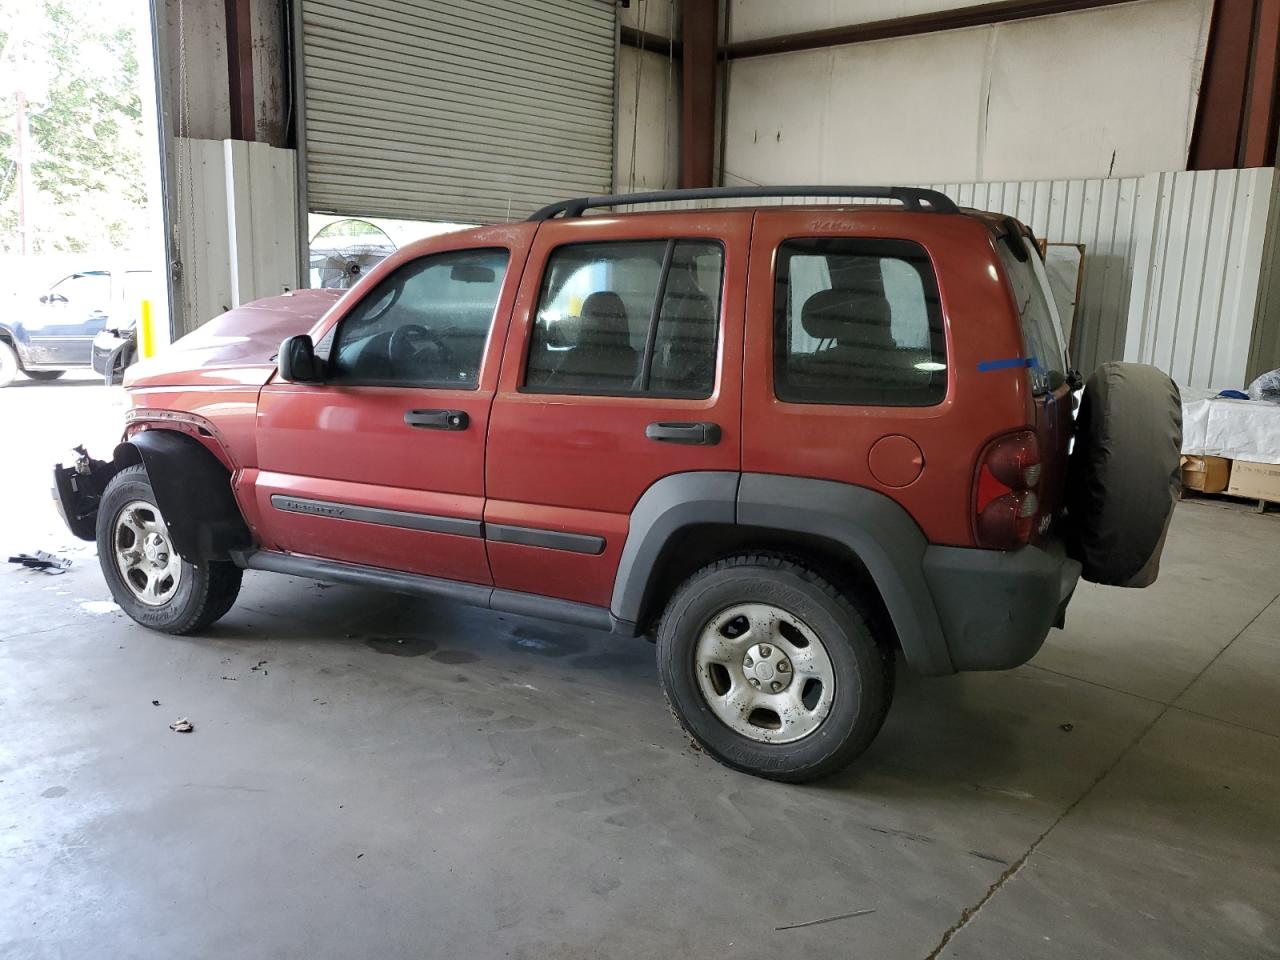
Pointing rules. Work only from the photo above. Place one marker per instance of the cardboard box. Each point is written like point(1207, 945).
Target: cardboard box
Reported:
point(1257, 481)
point(1205, 474)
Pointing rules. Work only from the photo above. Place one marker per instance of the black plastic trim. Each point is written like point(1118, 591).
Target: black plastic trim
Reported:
point(674, 502)
point(551, 539)
point(193, 491)
point(428, 523)
point(475, 594)
point(914, 199)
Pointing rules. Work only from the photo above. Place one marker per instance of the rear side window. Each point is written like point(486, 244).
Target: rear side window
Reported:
point(857, 322)
point(1037, 315)
point(628, 317)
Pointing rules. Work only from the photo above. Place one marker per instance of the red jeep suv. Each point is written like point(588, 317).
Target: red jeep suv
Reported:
point(789, 443)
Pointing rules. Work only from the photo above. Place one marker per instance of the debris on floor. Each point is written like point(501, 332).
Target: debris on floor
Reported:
point(814, 923)
point(155, 703)
point(99, 606)
point(42, 561)
point(1066, 727)
point(182, 725)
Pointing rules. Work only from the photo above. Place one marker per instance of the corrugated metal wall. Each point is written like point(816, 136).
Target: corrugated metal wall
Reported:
point(1100, 214)
point(1200, 241)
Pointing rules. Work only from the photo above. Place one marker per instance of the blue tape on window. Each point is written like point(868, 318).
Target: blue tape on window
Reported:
point(1009, 363)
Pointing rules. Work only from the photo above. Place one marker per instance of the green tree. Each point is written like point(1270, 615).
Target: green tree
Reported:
point(76, 63)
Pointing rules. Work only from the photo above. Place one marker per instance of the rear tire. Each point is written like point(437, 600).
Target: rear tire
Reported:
point(44, 375)
point(771, 669)
point(9, 365)
point(147, 578)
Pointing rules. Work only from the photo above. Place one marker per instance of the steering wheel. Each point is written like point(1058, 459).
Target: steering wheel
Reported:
point(405, 349)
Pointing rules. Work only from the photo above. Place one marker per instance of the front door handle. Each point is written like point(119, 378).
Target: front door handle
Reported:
point(699, 434)
point(437, 419)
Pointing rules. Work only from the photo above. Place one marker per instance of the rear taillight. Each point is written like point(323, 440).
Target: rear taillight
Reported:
point(1006, 504)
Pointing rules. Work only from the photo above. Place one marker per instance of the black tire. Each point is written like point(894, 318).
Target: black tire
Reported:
point(1123, 479)
point(863, 668)
point(205, 591)
point(44, 375)
point(9, 365)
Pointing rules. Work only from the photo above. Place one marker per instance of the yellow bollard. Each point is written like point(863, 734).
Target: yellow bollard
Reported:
point(146, 331)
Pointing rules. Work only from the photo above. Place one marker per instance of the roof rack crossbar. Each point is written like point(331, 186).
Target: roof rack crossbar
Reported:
point(916, 199)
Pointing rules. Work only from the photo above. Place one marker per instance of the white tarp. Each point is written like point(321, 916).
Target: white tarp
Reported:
point(1236, 429)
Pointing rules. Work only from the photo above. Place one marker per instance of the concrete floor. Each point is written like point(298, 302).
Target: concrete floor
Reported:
point(375, 776)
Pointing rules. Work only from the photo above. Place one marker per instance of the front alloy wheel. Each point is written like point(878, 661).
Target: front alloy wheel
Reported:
point(148, 564)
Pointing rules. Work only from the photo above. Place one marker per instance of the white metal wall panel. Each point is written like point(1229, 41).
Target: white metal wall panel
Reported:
point(236, 237)
point(1201, 237)
point(1097, 213)
point(463, 110)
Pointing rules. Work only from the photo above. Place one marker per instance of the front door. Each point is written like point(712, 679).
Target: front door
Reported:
point(383, 464)
point(623, 367)
point(61, 327)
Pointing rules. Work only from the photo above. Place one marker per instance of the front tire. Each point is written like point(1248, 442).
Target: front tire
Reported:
point(771, 669)
point(147, 578)
point(9, 365)
point(44, 376)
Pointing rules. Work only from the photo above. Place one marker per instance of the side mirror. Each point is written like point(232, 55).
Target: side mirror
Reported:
point(44, 298)
point(298, 362)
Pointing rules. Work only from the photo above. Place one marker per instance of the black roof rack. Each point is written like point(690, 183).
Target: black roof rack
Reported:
point(915, 199)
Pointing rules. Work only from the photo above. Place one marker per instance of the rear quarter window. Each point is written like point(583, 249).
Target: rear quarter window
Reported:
point(1037, 314)
point(857, 322)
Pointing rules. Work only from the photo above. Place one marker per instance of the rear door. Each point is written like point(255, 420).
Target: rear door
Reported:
point(383, 464)
point(623, 367)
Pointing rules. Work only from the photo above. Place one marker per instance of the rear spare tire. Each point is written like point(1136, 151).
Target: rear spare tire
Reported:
point(1123, 478)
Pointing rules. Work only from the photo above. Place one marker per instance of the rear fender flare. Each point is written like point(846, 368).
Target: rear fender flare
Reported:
point(868, 524)
point(193, 491)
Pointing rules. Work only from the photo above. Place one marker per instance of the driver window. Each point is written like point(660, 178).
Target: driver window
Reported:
point(92, 291)
point(426, 325)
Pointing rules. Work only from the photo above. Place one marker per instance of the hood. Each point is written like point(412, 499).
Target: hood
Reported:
point(238, 347)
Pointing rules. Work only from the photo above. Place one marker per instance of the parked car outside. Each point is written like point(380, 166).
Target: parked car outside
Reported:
point(49, 335)
point(791, 445)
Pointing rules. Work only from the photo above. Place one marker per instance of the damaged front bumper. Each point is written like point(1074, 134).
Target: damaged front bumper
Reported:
point(77, 490)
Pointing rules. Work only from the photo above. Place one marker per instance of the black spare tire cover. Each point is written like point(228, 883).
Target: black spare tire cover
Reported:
point(1123, 478)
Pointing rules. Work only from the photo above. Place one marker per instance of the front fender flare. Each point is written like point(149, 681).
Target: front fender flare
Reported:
point(193, 491)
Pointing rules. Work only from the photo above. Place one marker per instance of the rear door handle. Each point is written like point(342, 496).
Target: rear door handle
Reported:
point(699, 434)
point(437, 419)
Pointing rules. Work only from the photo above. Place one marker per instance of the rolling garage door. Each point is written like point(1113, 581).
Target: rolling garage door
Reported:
point(462, 110)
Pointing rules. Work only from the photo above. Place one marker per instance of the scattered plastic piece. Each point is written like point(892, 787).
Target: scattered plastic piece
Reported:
point(182, 725)
point(1066, 727)
point(43, 561)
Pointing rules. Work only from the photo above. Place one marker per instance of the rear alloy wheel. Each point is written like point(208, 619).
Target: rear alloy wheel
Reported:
point(771, 669)
point(44, 375)
point(147, 578)
point(8, 364)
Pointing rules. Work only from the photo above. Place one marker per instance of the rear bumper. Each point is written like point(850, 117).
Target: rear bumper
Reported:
point(997, 607)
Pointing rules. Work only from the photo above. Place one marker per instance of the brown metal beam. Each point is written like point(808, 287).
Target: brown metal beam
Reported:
point(698, 92)
point(650, 42)
point(240, 69)
point(1260, 114)
point(974, 16)
point(1218, 138)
